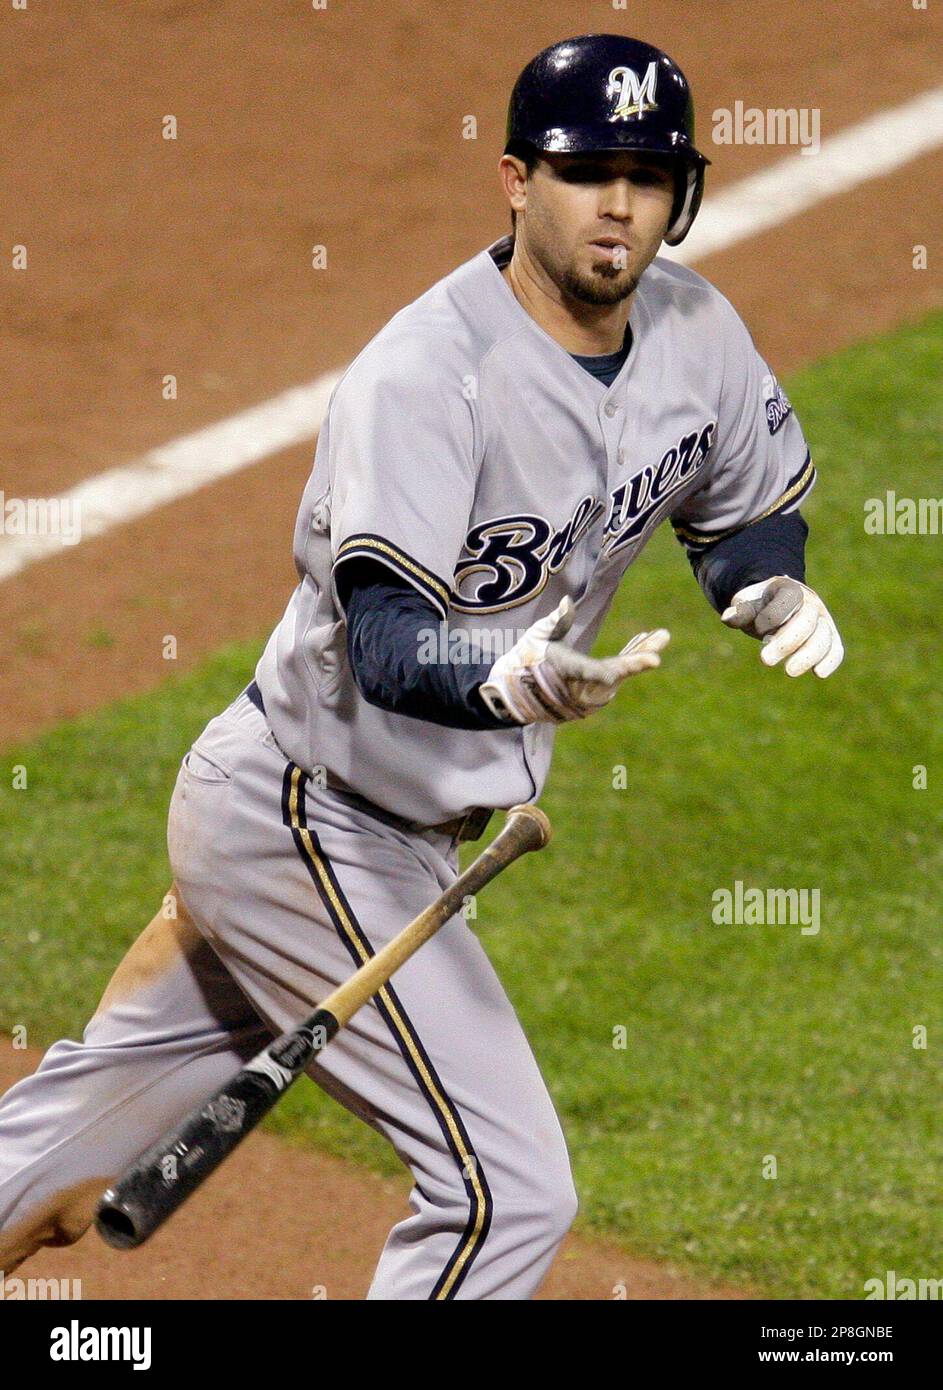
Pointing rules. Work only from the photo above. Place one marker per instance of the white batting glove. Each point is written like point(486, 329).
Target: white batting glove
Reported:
point(792, 622)
point(542, 681)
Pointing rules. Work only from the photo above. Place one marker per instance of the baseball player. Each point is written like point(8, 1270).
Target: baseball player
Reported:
point(490, 466)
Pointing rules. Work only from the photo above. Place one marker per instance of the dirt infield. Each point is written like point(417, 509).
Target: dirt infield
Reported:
point(192, 257)
point(324, 1226)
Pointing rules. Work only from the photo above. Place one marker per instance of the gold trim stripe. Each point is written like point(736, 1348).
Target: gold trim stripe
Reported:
point(709, 537)
point(469, 1162)
point(401, 558)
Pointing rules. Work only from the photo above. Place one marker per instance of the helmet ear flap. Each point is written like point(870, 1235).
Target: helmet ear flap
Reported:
point(689, 189)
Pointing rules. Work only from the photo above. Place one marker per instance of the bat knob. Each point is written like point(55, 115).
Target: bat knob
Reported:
point(540, 822)
point(115, 1222)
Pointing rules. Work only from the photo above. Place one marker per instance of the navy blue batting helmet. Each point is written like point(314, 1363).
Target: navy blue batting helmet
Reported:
point(606, 92)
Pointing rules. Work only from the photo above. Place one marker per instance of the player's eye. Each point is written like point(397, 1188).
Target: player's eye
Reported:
point(601, 173)
point(583, 173)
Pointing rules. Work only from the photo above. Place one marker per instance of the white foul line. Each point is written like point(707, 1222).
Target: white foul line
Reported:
point(185, 465)
point(871, 148)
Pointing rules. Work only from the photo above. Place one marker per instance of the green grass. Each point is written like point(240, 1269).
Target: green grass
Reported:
point(742, 1041)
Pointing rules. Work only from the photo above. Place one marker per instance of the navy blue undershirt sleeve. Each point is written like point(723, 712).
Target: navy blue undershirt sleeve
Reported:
point(390, 627)
point(775, 545)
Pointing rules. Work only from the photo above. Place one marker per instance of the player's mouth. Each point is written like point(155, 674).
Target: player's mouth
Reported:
point(611, 247)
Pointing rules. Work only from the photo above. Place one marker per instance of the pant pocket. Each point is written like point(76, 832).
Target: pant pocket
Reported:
point(196, 831)
point(206, 767)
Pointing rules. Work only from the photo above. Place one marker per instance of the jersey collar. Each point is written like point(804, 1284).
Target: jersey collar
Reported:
point(496, 256)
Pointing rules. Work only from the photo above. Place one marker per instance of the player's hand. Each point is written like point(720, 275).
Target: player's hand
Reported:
point(542, 681)
point(792, 622)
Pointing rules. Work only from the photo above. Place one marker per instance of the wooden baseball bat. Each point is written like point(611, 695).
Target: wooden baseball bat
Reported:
point(169, 1171)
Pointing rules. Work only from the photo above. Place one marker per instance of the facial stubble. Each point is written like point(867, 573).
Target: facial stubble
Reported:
point(607, 284)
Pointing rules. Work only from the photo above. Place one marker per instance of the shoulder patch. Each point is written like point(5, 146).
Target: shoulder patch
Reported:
point(778, 407)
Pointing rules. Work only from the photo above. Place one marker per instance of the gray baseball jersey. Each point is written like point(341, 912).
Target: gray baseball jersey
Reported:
point(468, 452)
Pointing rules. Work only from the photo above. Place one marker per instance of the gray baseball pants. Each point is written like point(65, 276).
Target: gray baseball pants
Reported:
point(284, 888)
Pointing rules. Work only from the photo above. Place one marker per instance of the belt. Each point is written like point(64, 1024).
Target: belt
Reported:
point(471, 826)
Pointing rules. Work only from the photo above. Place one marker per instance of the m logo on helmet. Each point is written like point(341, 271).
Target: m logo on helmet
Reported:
point(634, 95)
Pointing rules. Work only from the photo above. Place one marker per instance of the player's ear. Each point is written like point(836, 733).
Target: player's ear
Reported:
point(513, 174)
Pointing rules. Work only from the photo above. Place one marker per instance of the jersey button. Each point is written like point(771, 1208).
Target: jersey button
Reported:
point(610, 408)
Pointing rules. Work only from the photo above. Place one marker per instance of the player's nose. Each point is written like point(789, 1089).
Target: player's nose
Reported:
point(617, 199)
